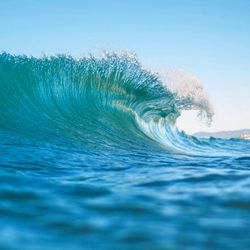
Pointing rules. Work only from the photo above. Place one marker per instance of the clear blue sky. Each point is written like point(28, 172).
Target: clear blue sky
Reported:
point(209, 38)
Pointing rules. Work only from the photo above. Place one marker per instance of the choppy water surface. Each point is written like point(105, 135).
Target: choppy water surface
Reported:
point(90, 158)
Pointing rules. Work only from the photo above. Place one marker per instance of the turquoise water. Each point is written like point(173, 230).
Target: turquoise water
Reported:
point(90, 158)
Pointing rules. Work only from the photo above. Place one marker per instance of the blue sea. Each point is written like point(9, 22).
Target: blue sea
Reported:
point(91, 158)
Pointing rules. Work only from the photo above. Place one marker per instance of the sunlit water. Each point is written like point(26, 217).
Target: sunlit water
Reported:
point(90, 159)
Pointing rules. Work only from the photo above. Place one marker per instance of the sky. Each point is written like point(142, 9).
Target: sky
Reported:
point(210, 39)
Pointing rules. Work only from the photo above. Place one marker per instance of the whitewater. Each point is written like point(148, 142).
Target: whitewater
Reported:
point(91, 158)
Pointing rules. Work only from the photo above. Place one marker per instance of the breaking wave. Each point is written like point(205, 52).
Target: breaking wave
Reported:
point(108, 100)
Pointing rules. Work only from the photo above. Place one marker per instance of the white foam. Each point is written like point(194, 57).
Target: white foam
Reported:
point(189, 90)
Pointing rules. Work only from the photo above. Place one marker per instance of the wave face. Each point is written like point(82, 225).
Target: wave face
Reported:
point(90, 144)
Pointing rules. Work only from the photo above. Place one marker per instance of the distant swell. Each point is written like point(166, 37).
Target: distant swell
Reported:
point(110, 101)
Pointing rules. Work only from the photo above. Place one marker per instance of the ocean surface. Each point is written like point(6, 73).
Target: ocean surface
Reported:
point(91, 158)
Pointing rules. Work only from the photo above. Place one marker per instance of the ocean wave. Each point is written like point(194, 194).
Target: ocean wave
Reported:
point(111, 99)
